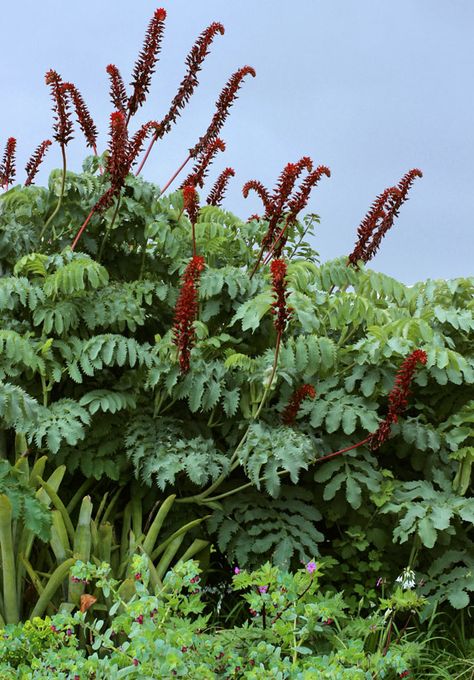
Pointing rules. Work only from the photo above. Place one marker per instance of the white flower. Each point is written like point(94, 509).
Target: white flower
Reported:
point(406, 579)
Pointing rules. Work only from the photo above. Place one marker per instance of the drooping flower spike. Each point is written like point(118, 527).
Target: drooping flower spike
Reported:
point(226, 98)
point(7, 168)
point(194, 60)
point(186, 311)
point(146, 62)
point(62, 126)
point(35, 161)
point(398, 397)
point(217, 192)
point(84, 118)
point(291, 411)
point(118, 93)
point(380, 218)
point(259, 189)
point(201, 168)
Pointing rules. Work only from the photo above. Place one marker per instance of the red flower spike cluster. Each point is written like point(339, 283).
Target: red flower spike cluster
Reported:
point(84, 118)
point(398, 397)
point(200, 170)
point(291, 411)
point(226, 98)
point(194, 61)
point(35, 161)
point(118, 93)
point(279, 308)
point(145, 64)
point(63, 125)
point(380, 218)
point(186, 311)
point(217, 192)
point(7, 168)
point(282, 205)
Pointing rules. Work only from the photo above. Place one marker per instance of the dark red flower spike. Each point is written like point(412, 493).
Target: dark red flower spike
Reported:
point(217, 192)
point(280, 309)
point(291, 411)
point(226, 98)
point(7, 168)
point(186, 311)
point(62, 126)
point(146, 62)
point(35, 161)
point(398, 397)
point(118, 93)
point(200, 170)
point(84, 118)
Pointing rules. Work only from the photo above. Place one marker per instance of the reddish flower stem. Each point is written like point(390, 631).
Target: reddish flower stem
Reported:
point(338, 453)
point(79, 233)
point(173, 177)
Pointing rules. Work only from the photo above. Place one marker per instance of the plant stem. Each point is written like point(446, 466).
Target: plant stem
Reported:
point(147, 153)
point(173, 177)
point(60, 200)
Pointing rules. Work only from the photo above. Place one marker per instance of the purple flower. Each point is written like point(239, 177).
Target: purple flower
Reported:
point(311, 566)
point(236, 570)
point(379, 582)
point(262, 589)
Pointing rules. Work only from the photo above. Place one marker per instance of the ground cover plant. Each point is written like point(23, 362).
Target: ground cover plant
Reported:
point(176, 382)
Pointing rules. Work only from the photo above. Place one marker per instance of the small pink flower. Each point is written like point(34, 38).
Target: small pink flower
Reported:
point(236, 570)
point(262, 589)
point(311, 566)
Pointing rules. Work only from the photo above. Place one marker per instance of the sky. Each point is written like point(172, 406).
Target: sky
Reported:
point(369, 88)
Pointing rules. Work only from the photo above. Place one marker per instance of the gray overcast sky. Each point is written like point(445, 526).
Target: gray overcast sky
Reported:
point(367, 87)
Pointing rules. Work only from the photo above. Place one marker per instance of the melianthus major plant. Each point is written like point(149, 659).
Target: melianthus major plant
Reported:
point(145, 334)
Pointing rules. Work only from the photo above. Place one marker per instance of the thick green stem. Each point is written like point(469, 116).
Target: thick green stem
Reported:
point(11, 612)
point(60, 200)
point(55, 581)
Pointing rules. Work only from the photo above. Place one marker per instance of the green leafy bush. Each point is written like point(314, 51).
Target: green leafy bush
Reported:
point(293, 630)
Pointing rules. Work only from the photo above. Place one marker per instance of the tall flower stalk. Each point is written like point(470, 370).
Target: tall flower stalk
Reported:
point(194, 61)
point(380, 218)
point(63, 130)
point(146, 62)
point(226, 98)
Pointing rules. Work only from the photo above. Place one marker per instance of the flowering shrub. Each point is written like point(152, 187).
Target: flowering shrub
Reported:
point(158, 346)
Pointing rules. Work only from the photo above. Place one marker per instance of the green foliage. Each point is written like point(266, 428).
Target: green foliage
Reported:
point(89, 375)
point(293, 631)
point(252, 527)
point(27, 508)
